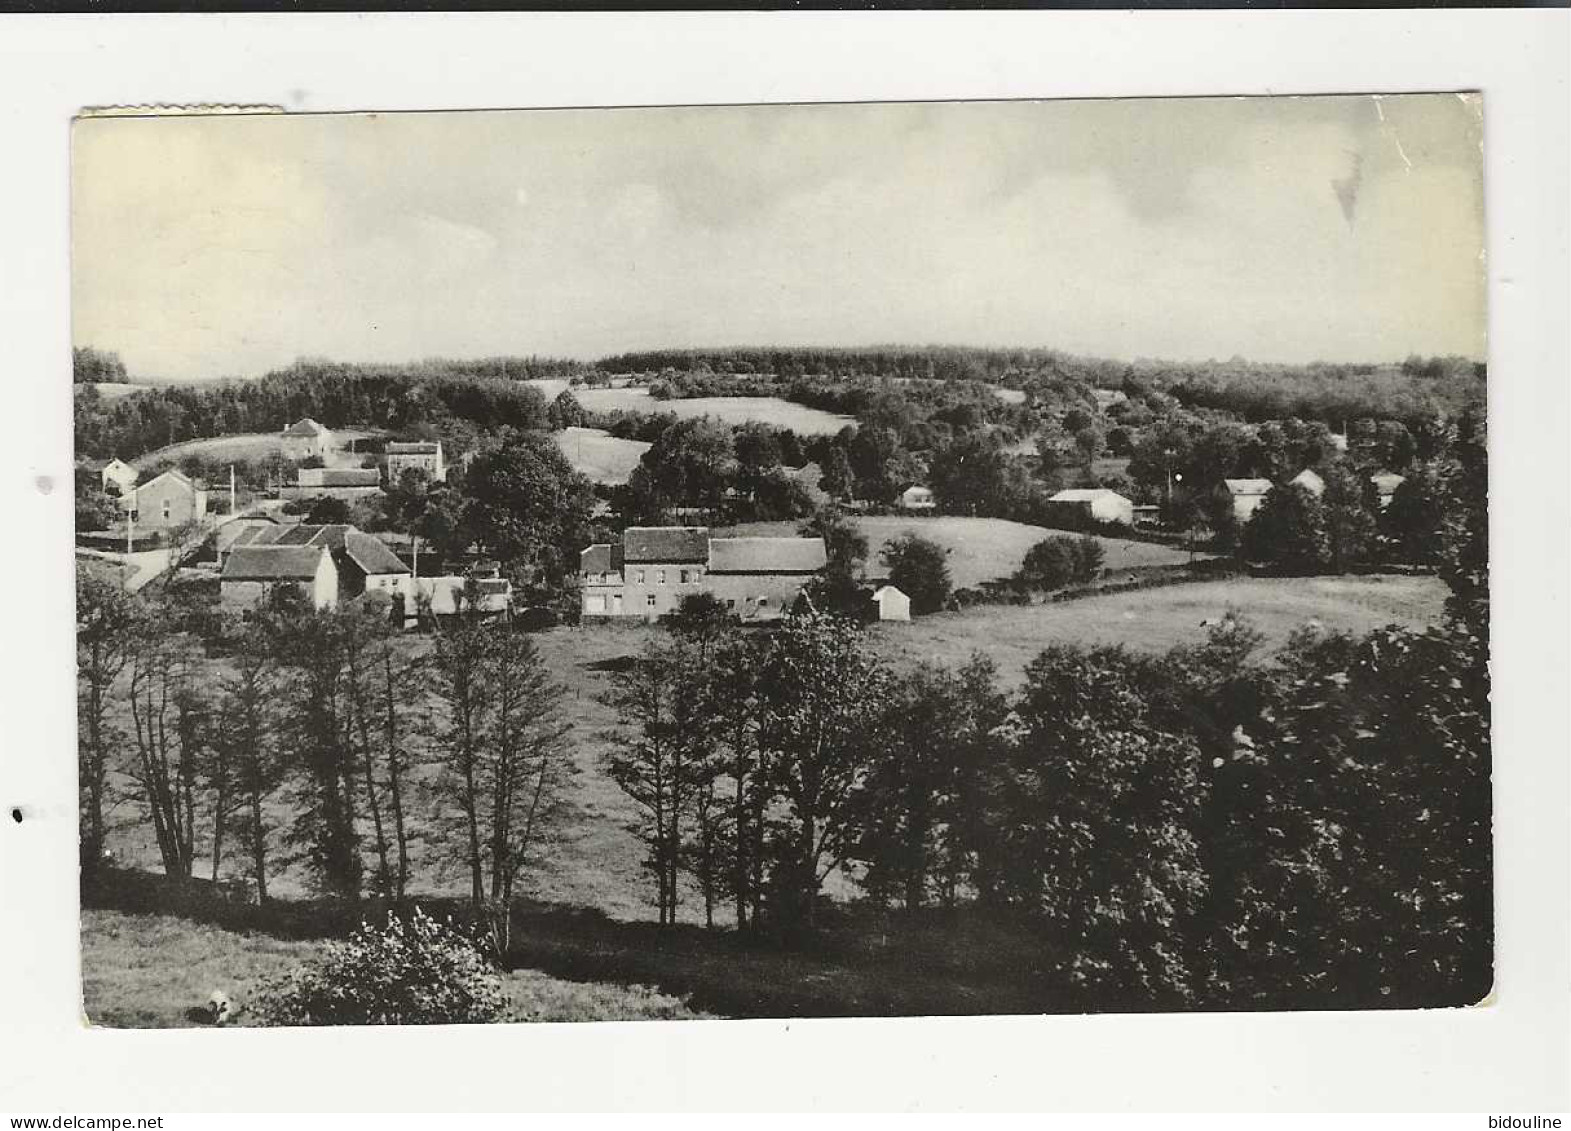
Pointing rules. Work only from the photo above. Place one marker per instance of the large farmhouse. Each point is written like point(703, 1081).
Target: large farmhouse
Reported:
point(648, 573)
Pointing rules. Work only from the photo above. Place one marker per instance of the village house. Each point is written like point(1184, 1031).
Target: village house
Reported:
point(1098, 504)
point(648, 573)
point(363, 563)
point(250, 573)
point(416, 455)
point(1386, 483)
point(166, 501)
point(306, 438)
point(1247, 495)
point(1310, 481)
point(118, 477)
point(489, 598)
point(917, 498)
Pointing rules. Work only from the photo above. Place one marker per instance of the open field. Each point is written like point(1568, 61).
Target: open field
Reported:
point(251, 446)
point(548, 387)
point(981, 549)
point(1155, 620)
point(727, 410)
point(602, 457)
point(114, 390)
point(156, 971)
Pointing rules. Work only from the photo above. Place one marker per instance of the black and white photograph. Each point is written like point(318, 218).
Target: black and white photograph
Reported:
point(782, 561)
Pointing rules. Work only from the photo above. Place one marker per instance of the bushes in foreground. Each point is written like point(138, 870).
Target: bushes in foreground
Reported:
point(412, 971)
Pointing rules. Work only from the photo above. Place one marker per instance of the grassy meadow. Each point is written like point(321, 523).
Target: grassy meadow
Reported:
point(251, 446)
point(156, 971)
point(1155, 620)
point(728, 410)
point(981, 549)
point(600, 456)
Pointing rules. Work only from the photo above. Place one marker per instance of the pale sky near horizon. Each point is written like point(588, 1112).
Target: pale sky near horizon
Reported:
point(1281, 229)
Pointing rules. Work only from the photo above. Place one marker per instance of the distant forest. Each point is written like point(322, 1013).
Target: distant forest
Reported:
point(460, 397)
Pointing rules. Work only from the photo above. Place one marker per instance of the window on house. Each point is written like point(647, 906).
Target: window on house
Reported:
point(166, 508)
point(659, 577)
point(650, 600)
point(730, 602)
point(763, 602)
point(686, 576)
point(640, 577)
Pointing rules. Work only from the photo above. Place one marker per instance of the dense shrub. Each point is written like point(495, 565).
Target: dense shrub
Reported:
point(409, 972)
point(1059, 560)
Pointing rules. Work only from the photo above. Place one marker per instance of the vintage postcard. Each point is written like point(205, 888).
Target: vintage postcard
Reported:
point(782, 561)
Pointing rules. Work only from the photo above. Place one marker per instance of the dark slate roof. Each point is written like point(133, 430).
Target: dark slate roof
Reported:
point(340, 477)
point(370, 553)
point(666, 544)
point(766, 555)
point(412, 447)
point(601, 558)
point(305, 426)
point(272, 563)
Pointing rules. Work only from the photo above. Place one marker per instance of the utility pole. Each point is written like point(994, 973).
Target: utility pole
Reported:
point(231, 490)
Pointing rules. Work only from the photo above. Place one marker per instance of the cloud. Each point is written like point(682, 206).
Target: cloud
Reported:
point(1186, 228)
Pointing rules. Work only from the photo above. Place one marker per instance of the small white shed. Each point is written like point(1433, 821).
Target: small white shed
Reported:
point(890, 603)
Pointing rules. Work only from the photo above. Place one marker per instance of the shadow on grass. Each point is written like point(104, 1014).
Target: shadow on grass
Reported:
point(861, 963)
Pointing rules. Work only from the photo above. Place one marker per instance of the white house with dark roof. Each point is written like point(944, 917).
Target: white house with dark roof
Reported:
point(917, 498)
point(416, 455)
point(306, 438)
point(648, 573)
point(250, 573)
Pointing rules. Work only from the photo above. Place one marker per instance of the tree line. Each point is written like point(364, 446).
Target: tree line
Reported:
point(316, 738)
point(1197, 829)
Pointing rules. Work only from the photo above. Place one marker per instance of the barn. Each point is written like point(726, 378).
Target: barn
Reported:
point(1099, 504)
point(251, 572)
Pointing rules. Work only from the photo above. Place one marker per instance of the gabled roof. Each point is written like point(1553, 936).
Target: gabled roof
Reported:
point(1386, 482)
point(882, 590)
point(1310, 481)
point(1247, 486)
point(272, 563)
point(173, 473)
point(1085, 495)
point(371, 554)
point(602, 557)
point(305, 426)
point(766, 555)
point(413, 447)
point(666, 544)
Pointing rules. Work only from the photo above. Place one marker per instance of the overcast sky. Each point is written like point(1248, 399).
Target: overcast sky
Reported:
point(1276, 229)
